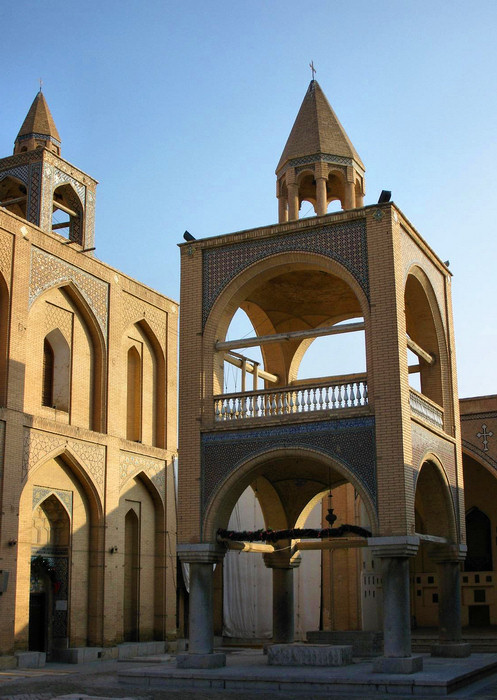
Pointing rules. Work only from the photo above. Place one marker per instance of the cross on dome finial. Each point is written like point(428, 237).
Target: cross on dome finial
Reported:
point(41, 83)
point(313, 70)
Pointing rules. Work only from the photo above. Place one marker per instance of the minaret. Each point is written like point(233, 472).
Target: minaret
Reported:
point(319, 164)
point(38, 185)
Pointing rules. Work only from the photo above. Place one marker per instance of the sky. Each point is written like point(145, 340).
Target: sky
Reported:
point(181, 111)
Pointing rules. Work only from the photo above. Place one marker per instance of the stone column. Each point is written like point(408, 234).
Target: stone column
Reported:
point(282, 209)
point(349, 196)
point(201, 558)
point(394, 553)
point(448, 559)
point(321, 196)
point(283, 605)
point(293, 202)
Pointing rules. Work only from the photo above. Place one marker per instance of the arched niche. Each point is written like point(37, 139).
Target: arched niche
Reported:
point(144, 404)
point(424, 326)
point(56, 371)
point(13, 196)
point(67, 216)
point(433, 501)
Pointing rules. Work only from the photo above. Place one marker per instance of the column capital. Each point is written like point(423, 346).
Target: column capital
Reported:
point(395, 546)
point(201, 553)
point(446, 553)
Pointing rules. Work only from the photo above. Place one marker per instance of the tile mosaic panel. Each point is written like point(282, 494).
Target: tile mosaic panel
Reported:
point(131, 464)
point(48, 271)
point(38, 445)
point(349, 441)
point(344, 242)
point(40, 493)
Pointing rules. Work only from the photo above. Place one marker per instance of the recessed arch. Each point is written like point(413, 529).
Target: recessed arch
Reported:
point(153, 390)
point(330, 472)
point(283, 266)
point(433, 500)
point(424, 326)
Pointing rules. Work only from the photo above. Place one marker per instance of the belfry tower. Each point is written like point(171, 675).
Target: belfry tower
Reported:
point(38, 185)
point(319, 164)
point(366, 271)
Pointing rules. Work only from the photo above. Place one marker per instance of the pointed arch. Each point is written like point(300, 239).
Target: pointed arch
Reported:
point(91, 384)
point(151, 394)
point(13, 195)
point(433, 500)
point(68, 213)
point(425, 327)
point(56, 371)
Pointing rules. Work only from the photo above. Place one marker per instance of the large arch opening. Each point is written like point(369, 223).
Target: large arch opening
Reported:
point(424, 333)
point(290, 308)
point(296, 490)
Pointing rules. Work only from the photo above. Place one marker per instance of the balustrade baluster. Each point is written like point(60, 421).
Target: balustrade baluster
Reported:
point(352, 394)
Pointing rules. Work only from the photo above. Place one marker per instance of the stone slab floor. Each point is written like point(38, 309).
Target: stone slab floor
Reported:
point(99, 681)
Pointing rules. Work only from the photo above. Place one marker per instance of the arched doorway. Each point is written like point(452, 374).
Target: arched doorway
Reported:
point(49, 580)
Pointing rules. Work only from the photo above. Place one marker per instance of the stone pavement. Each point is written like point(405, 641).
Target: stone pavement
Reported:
point(99, 681)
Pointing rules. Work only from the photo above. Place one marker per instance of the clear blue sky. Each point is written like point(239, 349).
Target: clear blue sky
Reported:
point(181, 111)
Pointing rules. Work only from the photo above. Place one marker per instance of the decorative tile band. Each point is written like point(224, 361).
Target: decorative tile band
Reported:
point(349, 441)
point(343, 242)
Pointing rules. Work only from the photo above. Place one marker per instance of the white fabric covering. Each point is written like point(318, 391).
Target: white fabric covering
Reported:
point(248, 597)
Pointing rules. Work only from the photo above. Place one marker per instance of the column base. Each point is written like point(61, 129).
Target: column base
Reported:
point(451, 650)
point(398, 664)
point(216, 660)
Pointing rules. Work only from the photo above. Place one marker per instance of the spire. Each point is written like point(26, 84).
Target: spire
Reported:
point(317, 129)
point(38, 129)
point(319, 141)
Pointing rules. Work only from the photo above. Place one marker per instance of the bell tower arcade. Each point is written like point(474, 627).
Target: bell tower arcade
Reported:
point(37, 184)
point(390, 432)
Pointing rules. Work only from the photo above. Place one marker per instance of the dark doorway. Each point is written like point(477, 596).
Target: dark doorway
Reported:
point(479, 615)
point(37, 621)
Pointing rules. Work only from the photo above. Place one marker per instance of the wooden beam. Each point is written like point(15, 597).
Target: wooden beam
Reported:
point(62, 207)
point(291, 335)
point(420, 352)
point(13, 201)
point(259, 547)
point(64, 224)
point(339, 543)
point(249, 367)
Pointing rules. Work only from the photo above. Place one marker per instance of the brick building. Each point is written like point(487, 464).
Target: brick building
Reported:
point(385, 441)
point(87, 419)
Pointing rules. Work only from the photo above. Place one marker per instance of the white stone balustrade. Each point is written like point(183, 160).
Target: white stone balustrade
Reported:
point(266, 403)
point(426, 409)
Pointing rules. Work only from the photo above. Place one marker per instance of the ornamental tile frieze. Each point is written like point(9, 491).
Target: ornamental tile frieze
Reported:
point(131, 464)
point(48, 271)
point(135, 310)
point(40, 446)
point(343, 242)
point(349, 441)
